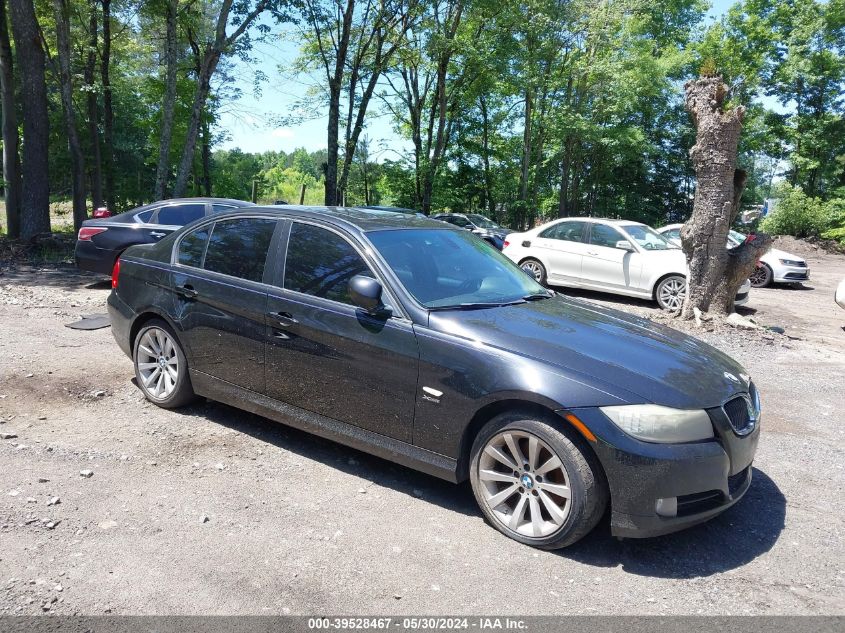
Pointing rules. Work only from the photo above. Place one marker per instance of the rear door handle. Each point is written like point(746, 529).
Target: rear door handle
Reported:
point(157, 234)
point(284, 319)
point(187, 291)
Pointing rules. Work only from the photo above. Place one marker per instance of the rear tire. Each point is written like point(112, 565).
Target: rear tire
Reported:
point(534, 483)
point(761, 276)
point(535, 269)
point(161, 368)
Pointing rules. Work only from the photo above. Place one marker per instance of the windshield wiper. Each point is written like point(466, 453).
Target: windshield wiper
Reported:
point(476, 305)
point(539, 295)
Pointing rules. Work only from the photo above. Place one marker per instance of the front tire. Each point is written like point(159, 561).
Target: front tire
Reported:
point(670, 292)
point(534, 483)
point(761, 276)
point(161, 367)
point(535, 269)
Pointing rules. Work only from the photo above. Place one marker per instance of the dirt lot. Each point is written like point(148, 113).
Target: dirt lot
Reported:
point(211, 510)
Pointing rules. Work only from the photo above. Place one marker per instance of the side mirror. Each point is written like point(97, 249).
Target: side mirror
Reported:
point(625, 245)
point(365, 293)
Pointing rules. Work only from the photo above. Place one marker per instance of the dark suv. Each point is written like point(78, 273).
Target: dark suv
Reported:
point(484, 227)
point(420, 343)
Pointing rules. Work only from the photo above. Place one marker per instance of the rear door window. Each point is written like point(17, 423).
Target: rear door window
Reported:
point(180, 214)
point(566, 231)
point(192, 247)
point(239, 247)
point(321, 263)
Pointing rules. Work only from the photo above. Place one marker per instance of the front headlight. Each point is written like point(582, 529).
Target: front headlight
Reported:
point(792, 262)
point(653, 423)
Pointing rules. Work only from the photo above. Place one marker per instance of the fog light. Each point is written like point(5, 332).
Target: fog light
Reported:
point(667, 507)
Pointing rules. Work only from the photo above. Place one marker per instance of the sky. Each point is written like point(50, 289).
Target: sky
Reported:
point(251, 123)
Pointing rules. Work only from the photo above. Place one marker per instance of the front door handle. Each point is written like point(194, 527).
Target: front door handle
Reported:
point(187, 291)
point(157, 234)
point(284, 319)
point(593, 253)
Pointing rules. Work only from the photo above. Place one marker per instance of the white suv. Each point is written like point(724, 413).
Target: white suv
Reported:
point(618, 256)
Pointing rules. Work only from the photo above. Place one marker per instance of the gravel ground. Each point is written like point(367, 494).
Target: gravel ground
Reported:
point(111, 505)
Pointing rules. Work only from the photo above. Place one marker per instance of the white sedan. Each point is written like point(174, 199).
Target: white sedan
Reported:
point(617, 256)
point(775, 266)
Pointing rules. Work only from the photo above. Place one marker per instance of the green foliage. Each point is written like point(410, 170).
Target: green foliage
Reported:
point(800, 215)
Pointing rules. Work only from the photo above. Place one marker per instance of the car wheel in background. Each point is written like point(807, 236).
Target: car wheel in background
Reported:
point(535, 269)
point(670, 292)
point(534, 483)
point(161, 367)
point(761, 276)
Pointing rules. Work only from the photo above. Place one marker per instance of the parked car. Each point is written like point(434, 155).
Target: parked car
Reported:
point(404, 210)
point(775, 266)
point(484, 227)
point(420, 343)
point(617, 256)
point(839, 297)
point(101, 241)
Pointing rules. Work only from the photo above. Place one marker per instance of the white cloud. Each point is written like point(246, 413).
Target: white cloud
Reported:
point(283, 132)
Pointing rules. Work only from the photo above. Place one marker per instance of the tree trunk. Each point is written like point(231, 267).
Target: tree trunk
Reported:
point(77, 161)
point(489, 202)
point(167, 108)
point(108, 111)
point(35, 199)
point(209, 65)
point(206, 157)
point(93, 111)
point(11, 141)
point(715, 275)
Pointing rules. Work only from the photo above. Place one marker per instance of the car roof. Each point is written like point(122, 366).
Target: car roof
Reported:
point(354, 217)
point(131, 213)
point(612, 221)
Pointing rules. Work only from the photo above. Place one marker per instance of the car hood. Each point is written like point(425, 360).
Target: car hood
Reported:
point(634, 355)
point(775, 253)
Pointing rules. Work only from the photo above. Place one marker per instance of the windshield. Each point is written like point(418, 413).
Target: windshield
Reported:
point(452, 269)
point(647, 237)
point(736, 237)
point(484, 223)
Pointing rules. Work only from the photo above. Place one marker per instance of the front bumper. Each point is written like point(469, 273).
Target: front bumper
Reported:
point(661, 488)
point(790, 274)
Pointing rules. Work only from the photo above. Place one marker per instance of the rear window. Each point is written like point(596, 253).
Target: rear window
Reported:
point(192, 247)
point(180, 214)
point(239, 247)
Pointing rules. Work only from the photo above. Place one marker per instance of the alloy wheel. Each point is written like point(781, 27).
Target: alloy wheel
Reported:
point(759, 276)
point(534, 269)
point(158, 363)
point(672, 293)
point(524, 484)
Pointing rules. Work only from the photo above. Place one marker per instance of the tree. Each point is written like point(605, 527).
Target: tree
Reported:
point(11, 141)
point(171, 9)
point(108, 109)
point(92, 107)
point(212, 47)
point(715, 273)
point(35, 199)
point(77, 160)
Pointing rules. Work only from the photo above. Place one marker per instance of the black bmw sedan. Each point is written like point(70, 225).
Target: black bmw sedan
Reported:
point(419, 342)
point(101, 240)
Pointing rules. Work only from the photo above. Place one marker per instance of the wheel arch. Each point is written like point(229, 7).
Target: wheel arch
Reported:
point(523, 406)
point(145, 317)
point(661, 278)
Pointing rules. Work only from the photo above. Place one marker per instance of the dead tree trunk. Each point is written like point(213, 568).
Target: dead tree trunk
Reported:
point(715, 273)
